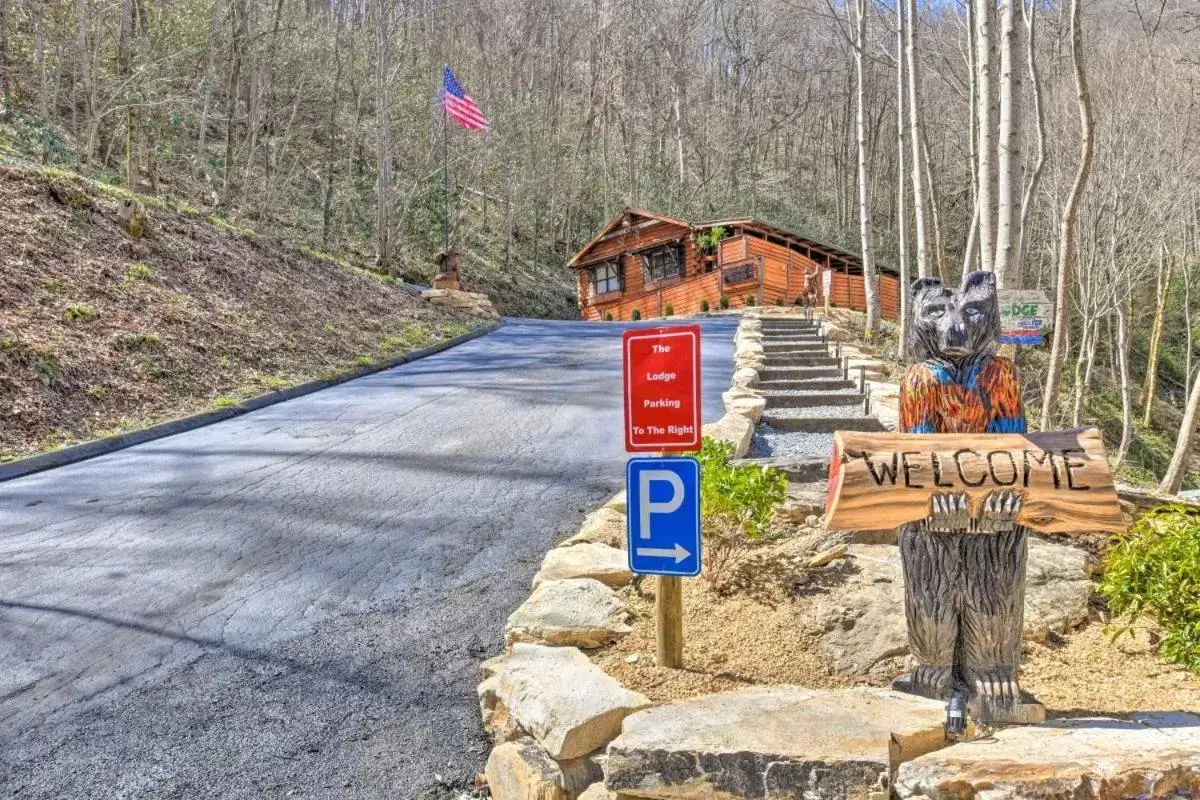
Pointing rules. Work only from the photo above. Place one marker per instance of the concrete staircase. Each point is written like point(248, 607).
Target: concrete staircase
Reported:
point(809, 396)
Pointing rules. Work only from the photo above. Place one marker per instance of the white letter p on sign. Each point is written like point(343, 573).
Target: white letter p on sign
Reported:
point(646, 507)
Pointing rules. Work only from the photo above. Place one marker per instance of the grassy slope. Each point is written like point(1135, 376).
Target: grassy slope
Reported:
point(100, 332)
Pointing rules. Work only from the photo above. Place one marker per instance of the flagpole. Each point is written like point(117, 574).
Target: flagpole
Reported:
point(445, 172)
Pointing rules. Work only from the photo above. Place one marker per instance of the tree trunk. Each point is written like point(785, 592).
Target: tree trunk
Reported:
point(124, 72)
point(901, 192)
point(1008, 148)
point(917, 138)
point(1173, 478)
point(1078, 394)
point(1066, 258)
point(1029, 11)
point(331, 134)
point(5, 64)
point(939, 248)
point(971, 249)
point(383, 188)
point(1150, 389)
point(870, 285)
point(237, 13)
point(1126, 390)
point(984, 12)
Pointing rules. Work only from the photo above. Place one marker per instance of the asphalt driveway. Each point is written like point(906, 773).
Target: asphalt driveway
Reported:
point(293, 603)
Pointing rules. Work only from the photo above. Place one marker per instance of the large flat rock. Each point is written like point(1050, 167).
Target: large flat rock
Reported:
point(605, 525)
point(732, 428)
point(1150, 755)
point(578, 612)
point(594, 560)
point(857, 614)
point(773, 742)
point(521, 770)
point(559, 697)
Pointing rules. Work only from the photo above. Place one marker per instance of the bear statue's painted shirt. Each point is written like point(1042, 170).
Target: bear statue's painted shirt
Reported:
point(981, 396)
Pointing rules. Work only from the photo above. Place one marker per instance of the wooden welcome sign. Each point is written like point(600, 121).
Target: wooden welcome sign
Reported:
point(883, 480)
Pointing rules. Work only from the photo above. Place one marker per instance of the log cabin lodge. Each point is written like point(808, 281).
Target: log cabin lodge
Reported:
point(643, 265)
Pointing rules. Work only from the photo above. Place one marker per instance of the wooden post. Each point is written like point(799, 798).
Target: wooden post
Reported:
point(668, 614)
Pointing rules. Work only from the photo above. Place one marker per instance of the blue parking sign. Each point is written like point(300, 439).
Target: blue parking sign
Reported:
point(663, 504)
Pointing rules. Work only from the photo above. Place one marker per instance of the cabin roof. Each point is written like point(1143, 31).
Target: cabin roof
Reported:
point(766, 230)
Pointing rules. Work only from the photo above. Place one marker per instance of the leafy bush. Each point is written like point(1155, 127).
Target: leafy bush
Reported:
point(635, 315)
point(704, 304)
point(669, 311)
point(707, 242)
point(737, 504)
point(779, 301)
point(724, 301)
point(608, 316)
point(749, 300)
point(138, 272)
point(79, 314)
point(1154, 570)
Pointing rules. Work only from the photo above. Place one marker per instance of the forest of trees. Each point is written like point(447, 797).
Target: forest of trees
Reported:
point(1054, 142)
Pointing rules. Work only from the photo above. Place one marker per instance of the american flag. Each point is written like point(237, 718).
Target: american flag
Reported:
point(459, 105)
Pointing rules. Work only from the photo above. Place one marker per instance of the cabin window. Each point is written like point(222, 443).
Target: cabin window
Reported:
point(605, 278)
point(662, 264)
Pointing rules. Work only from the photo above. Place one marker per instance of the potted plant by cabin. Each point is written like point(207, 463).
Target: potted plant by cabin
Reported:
point(707, 242)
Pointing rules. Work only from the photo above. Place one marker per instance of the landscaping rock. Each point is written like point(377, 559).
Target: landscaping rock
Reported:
point(522, 770)
point(858, 613)
point(465, 301)
point(745, 377)
point(1150, 755)
point(563, 700)
point(606, 564)
point(497, 722)
point(736, 430)
point(745, 403)
point(605, 525)
point(597, 792)
point(773, 742)
point(617, 503)
point(580, 612)
point(1058, 588)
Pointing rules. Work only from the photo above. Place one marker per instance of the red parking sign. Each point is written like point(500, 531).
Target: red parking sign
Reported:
point(662, 389)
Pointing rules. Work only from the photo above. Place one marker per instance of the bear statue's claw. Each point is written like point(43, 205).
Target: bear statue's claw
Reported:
point(999, 512)
point(995, 687)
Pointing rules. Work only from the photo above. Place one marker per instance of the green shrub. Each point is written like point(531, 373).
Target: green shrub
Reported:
point(704, 305)
point(608, 316)
point(138, 272)
point(136, 341)
point(79, 314)
point(1154, 570)
point(778, 301)
point(724, 301)
point(635, 315)
point(749, 300)
point(669, 311)
point(737, 504)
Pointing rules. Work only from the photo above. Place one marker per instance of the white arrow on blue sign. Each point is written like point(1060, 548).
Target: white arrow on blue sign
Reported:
point(663, 503)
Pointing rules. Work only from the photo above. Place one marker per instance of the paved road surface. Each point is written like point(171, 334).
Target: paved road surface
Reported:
point(293, 603)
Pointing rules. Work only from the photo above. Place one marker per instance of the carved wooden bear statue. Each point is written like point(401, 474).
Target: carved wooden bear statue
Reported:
point(964, 575)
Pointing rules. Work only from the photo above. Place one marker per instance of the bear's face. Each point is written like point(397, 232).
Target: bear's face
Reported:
point(955, 325)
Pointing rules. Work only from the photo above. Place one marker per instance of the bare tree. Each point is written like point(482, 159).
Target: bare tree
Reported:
point(870, 280)
point(383, 190)
point(1008, 181)
point(1029, 12)
point(901, 185)
point(917, 138)
point(1150, 387)
point(1173, 478)
point(985, 11)
point(1067, 246)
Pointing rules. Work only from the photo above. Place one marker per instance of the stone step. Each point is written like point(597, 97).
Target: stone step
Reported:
point(799, 373)
point(784, 338)
point(815, 384)
point(821, 424)
point(797, 349)
point(798, 469)
point(790, 400)
point(803, 360)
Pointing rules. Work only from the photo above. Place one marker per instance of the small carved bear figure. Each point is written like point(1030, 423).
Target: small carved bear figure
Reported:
point(964, 576)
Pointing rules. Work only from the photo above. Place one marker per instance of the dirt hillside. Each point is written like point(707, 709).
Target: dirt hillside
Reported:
point(101, 332)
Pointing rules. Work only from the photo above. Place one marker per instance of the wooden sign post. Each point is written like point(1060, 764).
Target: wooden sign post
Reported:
point(884, 480)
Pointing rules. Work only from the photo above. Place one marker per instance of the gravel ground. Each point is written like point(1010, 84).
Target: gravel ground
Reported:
point(769, 442)
point(808, 412)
